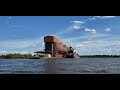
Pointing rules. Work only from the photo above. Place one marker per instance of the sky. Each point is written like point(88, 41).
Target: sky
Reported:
point(89, 35)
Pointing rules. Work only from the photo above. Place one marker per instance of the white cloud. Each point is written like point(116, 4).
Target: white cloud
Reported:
point(92, 18)
point(17, 44)
point(93, 32)
point(101, 17)
point(21, 46)
point(12, 52)
point(3, 51)
point(94, 43)
point(100, 44)
point(89, 37)
point(87, 30)
point(21, 52)
point(104, 17)
point(90, 30)
point(108, 29)
point(77, 24)
point(74, 25)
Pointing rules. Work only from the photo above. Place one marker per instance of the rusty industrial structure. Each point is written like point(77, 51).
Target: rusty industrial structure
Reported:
point(55, 47)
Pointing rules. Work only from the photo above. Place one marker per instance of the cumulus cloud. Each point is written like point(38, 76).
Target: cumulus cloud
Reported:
point(77, 24)
point(21, 46)
point(108, 29)
point(101, 17)
point(94, 43)
point(97, 47)
point(12, 52)
point(17, 44)
point(74, 25)
point(92, 18)
point(90, 30)
point(94, 31)
point(100, 44)
point(104, 17)
point(87, 30)
point(3, 51)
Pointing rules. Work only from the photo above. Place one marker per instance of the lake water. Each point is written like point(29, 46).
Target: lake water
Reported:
point(60, 66)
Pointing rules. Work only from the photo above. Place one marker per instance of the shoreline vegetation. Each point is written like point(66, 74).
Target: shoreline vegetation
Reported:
point(99, 56)
point(18, 56)
point(30, 56)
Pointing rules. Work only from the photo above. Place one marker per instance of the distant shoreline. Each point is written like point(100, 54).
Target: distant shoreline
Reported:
point(97, 57)
point(60, 58)
point(100, 56)
point(29, 56)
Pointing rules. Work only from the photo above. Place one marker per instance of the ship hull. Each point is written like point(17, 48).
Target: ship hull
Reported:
point(67, 56)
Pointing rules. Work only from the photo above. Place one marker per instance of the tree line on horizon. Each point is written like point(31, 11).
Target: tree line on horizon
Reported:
point(28, 56)
point(100, 56)
point(17, 55)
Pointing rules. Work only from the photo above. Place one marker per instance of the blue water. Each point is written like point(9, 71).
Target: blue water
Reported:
point(60, 66)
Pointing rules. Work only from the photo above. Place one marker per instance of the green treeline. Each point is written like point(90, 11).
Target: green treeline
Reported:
point(19, 56)
point(100, 56)
point(29, 56)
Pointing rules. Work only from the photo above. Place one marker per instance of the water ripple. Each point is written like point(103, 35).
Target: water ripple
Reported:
point(61, 66)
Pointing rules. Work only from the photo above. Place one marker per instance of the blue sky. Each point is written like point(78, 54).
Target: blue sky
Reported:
point(90, 35)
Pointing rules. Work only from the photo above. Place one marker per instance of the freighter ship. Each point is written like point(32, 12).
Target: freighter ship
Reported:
point(57, 49)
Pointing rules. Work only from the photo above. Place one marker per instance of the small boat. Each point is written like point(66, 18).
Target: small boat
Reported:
point(71, 53)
